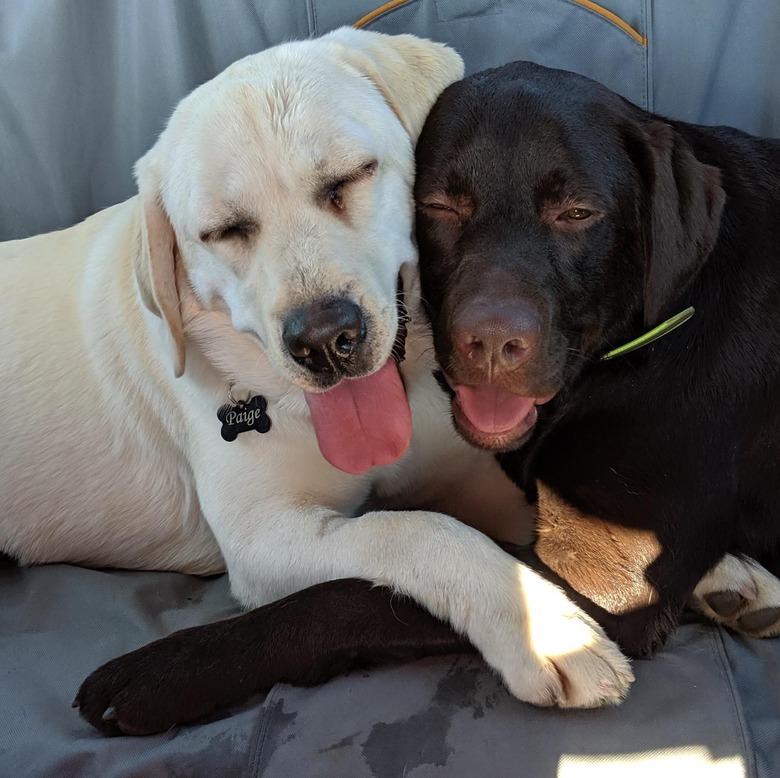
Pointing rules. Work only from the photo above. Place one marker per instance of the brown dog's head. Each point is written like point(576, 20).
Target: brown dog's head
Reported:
point(555, 221)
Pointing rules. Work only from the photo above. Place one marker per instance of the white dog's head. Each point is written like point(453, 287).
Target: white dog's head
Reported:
point(284, 188)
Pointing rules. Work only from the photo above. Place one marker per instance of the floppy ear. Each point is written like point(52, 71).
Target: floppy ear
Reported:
point(155, 264)
point(686, 202)
point(410, 72)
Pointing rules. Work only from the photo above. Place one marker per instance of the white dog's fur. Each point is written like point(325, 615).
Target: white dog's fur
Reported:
point(110, 459)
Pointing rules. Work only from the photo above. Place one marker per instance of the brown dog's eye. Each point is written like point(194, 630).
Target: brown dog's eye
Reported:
point(444, 206)
point(439, 207)
point(576, 214)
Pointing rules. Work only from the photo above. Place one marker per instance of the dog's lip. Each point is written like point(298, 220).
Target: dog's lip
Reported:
point(540, 399)
point(493, 441)
point(500, 440)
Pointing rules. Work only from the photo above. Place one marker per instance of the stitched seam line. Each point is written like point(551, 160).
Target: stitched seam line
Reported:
point(312, 14)
point(747, 750)
point(260, 732)
point(648, 58)
point(611, 17)
point(371, 15)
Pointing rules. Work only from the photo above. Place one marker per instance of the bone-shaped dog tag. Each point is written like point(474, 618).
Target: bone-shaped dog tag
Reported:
point(243, 417)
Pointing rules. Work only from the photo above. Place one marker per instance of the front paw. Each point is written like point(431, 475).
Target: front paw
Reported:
point(171, 681)
point(548, 651)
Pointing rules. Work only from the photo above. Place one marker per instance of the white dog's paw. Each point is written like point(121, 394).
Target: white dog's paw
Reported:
point(741, 595)
point(549, 652)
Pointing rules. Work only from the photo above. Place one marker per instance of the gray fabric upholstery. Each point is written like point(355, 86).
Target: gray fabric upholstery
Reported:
point(708, 703)
point(84, 89)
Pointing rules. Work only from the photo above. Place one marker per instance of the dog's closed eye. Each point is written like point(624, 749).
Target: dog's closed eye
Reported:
point(239, 230)
point(443, 206)
point(336, 190)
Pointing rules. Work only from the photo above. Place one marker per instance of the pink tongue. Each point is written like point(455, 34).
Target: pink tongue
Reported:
point(491, 409)
point(363, 422)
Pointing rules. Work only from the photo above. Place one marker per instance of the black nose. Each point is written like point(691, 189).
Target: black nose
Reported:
point(323, 337)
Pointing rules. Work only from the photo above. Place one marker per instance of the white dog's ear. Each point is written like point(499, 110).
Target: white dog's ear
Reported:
point(155, 263)
point(410, 72)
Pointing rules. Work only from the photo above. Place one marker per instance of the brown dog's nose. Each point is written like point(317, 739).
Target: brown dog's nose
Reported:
point(496, 334)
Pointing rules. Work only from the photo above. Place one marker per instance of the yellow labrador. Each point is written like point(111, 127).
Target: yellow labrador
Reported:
point(267, 265)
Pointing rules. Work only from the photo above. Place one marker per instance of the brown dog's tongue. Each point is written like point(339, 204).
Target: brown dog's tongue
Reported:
point(491, 409)
point(363, 422)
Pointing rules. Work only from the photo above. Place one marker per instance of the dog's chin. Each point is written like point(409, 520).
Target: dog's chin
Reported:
point(504, 440)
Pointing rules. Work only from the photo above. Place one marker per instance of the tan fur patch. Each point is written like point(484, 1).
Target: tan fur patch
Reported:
point(604, 561)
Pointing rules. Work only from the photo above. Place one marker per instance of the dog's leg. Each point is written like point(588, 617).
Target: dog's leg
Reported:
point(303, 639)
point(742, 595)
point(546, 649)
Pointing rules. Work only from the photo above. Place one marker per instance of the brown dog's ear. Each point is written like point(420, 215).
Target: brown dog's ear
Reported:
point(155, 264)
point(410, 72)
point(686, 202)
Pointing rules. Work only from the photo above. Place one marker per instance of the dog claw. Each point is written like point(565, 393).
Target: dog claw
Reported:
point(109, 714)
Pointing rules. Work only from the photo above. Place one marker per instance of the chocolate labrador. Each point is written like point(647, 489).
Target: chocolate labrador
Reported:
point(602, 286)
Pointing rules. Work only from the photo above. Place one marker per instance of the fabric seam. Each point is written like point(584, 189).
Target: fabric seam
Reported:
point(260, 731)
point(612, 18)
point(716, 635)
point(648, 16)
point(313, 21)
point(379, 11)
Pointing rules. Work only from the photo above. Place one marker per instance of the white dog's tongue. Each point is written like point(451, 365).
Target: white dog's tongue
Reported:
point(491, 409)
point(363, 422)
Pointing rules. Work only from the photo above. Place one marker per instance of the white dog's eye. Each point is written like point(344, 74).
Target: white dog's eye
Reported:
point(234, 231)
point(335, 191)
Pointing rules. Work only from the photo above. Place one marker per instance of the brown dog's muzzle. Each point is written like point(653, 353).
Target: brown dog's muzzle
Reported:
point(497, 366)
point(495, 336)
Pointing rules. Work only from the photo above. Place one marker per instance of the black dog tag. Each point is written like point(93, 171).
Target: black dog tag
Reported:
point(243, 417)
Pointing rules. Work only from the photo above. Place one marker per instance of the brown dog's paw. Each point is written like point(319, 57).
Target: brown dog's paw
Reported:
point(108, 701)
point(133, 694)
point(741, 595)
point(176, 680)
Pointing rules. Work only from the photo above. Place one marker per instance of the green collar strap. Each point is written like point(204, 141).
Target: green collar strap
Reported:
point(664, 328)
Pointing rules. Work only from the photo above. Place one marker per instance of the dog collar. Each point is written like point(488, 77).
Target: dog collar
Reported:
point(664, 328)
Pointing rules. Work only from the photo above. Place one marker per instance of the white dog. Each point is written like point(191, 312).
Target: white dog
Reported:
point(263, 254)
